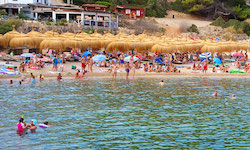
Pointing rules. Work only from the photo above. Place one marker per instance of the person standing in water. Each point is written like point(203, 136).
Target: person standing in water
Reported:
point(127, 69)
point(21, 126)
point(133, 70)
point(32, 78)
point(83, 62)
point(59, 77)
point(162, 83)
point(32, 126)
point(114, 70)
point(215, 94)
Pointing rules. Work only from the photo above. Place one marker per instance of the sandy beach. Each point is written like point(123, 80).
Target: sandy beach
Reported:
point(100, 72)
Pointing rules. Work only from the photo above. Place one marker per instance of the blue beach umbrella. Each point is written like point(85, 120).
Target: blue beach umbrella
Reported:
point(99, 58)
point(205, 55)
point(217, 61)
point(85, 54)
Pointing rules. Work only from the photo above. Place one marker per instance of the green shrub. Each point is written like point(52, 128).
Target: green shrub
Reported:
point(236, 24)
point(48, 23)
point(6, 26)
point(89, 31)
point(22, 15)
point(101, 31)
point(218, 22)
point(193, 28)
point(3, 12)
point(162, 30)
point(63, 22)
point(103, 3)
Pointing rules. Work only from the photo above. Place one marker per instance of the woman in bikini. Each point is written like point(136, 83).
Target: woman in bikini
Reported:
point(127, 69)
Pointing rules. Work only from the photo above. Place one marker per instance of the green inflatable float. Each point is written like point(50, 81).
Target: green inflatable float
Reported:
point(237, 71)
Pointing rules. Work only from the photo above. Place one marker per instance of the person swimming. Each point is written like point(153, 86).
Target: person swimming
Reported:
point(44, 125)
point(32, 126)
point(21, 125)
point(162, 83)
point(215, 94)
point(59, 77)
point(233, 96)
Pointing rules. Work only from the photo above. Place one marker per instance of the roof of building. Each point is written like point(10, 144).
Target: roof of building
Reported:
point(94, 5)
point(10, 5)
point(128, 7)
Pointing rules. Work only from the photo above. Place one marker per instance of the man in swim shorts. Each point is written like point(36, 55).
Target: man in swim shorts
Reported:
point(55, 62)
point(127, 69)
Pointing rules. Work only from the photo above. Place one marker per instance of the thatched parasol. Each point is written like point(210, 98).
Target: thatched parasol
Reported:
point(73, 43)
point(21, 40)
point(9, 35)
point(3, 42)
point(162, 48)
point(118, 46)
point(92, 43)
point(52, 43)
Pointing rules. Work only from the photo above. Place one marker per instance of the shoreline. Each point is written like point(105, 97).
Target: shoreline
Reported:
point(139, 75)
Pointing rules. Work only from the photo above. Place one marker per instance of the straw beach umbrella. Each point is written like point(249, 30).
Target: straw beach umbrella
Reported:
point(92, 43)
point(9, 35)
point(52, 43)
point(118, 46)
point(3, 42)
point(21, 40)
point(73, 43)
point(162, 48)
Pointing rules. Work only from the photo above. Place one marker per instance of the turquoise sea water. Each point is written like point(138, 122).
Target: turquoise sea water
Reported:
point(107, 114)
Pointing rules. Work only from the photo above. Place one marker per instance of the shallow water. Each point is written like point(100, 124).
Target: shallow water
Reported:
point(106, 114)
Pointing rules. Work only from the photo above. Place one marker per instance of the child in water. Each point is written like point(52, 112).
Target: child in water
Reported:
point(41, 77)
point(162, 83)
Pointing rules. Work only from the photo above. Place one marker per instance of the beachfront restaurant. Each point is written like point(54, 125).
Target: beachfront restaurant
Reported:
point(74, 14)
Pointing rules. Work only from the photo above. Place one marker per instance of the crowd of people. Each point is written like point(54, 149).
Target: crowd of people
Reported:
point(129, 63)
